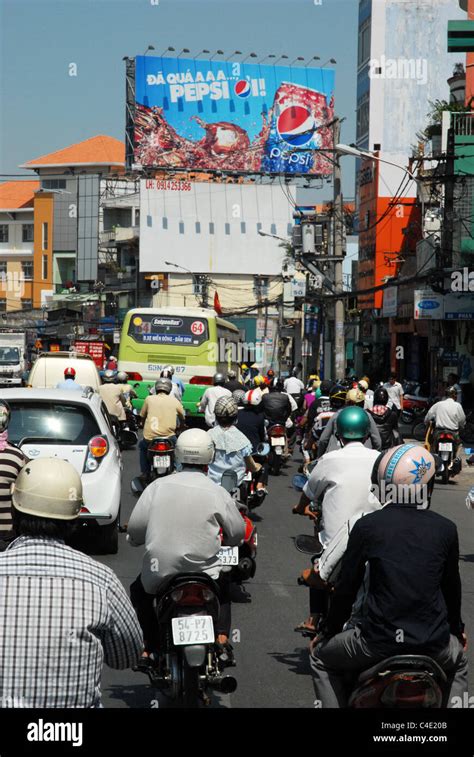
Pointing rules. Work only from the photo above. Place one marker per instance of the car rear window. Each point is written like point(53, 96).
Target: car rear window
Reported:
point(54, 422)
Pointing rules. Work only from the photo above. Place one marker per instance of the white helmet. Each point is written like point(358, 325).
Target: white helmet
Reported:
point(168, 368)
point(48, 488)
point(194, 447)
point(253, 397)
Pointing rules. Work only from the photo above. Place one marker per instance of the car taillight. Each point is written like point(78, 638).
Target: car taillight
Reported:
point(409, 691)
point(84, 510)
point(276, 431)
point(98, 448)
point(206, 380)
point(191, 594)
point(132, 376)
point(160, 447)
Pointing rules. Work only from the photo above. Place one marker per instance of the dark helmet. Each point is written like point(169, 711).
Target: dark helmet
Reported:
point(325, 388)
point(163, 385)
point(337, 395)
point(380, 396)
point(270, 373)
point(166, 373)
point(218, 379)
point(352, 424)
point(226, 410)
point(451, 391)
point(277, 385)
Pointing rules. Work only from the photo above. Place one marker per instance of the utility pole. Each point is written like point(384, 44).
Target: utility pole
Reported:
point(338, 236)
point(446, 257)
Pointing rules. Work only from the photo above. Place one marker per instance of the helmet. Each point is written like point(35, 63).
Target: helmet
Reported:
point(270, 373)
point(166, 373)
point(253, 397)
point(277, 385)
point(122, 377)
point(238, 395)
point(363, 385)
point(451, 391)
point(355, 397)
point(231, 375)
point(218, 379)
point(408, 466)
point(169, 368)
point(352, 423)
point(69, 373)
point(366, 379)
point(226, 409)
point(109, 376)
point(337, 395)
point(259, 381)
point(163, 385)
point(5, 414)
point(325, 388)
point(244, 367)
point(194, 447)
point(380, 396)
point(48, 488)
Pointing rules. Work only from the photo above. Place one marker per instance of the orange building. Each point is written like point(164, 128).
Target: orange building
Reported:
point(17, 277)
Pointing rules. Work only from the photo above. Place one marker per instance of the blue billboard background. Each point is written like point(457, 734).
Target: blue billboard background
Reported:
point(231, 116)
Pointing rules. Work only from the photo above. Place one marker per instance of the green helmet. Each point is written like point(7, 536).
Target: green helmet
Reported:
point(352, 423)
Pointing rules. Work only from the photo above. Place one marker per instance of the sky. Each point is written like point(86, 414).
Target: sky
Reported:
point(44, 108)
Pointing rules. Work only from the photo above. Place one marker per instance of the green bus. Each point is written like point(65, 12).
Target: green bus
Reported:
point(195, 341)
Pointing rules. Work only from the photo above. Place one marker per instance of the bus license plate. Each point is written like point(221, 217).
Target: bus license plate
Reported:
point(228, 556)
point(162, 462)
point(193, 629)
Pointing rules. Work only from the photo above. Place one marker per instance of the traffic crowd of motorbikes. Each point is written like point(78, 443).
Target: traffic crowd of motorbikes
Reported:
point(384, 618)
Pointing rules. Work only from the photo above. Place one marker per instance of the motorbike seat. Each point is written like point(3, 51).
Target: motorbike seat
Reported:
point(175, 581)
point(409, 663)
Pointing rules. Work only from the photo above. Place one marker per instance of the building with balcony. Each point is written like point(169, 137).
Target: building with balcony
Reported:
point(17, 220)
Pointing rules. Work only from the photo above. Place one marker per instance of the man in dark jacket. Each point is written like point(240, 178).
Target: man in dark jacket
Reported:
point(232, 383)
point(413, 603)
point(386, 419)
point(276, 404)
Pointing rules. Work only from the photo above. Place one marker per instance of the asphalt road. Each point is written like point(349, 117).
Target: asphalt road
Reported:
point(272, 660)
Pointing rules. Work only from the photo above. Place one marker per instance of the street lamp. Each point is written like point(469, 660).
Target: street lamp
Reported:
point(352, 150)
point(194, 277)
point(273, 236)
point(315, 57)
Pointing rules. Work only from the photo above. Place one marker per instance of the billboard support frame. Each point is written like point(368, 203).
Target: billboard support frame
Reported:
point(129, 112)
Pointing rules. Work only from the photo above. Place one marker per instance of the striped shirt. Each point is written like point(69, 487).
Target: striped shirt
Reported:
point(62, 615)
point(12, 461)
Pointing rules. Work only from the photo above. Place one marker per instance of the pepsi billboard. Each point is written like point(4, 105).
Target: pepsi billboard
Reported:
point(228, 116)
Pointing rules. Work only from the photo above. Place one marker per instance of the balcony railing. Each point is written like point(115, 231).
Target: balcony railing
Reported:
point(463, 124)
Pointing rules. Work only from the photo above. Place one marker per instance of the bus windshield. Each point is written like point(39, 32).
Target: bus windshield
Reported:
point(166, 329)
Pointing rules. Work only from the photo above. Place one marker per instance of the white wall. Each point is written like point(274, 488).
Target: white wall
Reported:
point(232, 248)
point(15, 246)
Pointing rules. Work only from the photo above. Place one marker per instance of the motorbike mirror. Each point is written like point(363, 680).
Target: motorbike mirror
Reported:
point(137, 487)
point(229, 480)
point(309, 545)
point(299, 482)
point(263, 449)
point(128, 438)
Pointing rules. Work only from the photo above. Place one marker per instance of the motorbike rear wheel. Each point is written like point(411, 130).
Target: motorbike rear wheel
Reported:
point(445, 475)
point(190, 679)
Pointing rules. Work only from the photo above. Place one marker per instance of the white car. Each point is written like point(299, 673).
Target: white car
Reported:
point(76, 427)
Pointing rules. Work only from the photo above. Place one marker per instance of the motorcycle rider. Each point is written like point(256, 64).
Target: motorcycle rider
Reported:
point(12, 460)
point(73, 612)
point(363, 385)
point(233, 449)
point(70, 381)
point(179, 519)
point(210, 397)
point(328, 440)
point(395, 393)
point(232, 383)
point(277, 404)
point(453, 379)
point(251, 422)
point(341, 482)
point(447, 415)
point(295, 387)
point(115, 393)
point(260, 383)
point(162, 413)
point(414, 594)
point(178, 386)
point(385, 418)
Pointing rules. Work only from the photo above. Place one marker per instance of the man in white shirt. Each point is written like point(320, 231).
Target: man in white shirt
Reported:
point(395, 393)
point(210, 397)
point(447, 414)
point(293, 385)
point(179, 519)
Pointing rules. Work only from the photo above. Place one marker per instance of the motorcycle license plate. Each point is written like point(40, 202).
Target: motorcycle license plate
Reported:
point(278, 441)
point(162, 462)
point(193, 629)
point(248, 476)
point(228, 556)
point(445, 447)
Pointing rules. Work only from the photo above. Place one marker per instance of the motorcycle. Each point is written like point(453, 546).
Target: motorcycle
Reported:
point(248, 488)
point(129, 440)
point(186, 663)
point(160, 455)
point(241, 561)
point(277, 440)
point(443, 446)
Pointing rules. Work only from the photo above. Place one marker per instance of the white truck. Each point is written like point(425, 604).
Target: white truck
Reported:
point(13, 358)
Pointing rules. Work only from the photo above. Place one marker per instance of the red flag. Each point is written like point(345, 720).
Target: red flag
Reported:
point(217, 304)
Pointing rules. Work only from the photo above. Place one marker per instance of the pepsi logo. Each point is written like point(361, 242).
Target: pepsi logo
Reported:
point(296, 125)
point(242, 88)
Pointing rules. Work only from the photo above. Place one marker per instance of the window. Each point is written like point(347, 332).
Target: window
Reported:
point(3, 268)
point(3, 303)
point(261, 286)
point(45, 236)
point(4, 232)
point(27, 304)
point(53, 184)
point(363, 108)
point(27, 269)
point(53, 422)
point(27, 230)
point(45, 266)
point(363, 53)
